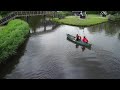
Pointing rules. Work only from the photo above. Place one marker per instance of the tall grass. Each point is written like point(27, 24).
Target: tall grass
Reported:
point(11, 37)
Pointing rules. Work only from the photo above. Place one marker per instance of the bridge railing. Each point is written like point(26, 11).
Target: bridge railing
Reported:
point(29, 13)
point(15, 14)
point(8, 17)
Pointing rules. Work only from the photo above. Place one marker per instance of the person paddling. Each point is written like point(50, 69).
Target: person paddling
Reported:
point(78, 37)
point(85, 40)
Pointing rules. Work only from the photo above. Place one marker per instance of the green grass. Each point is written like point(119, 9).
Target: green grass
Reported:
point(11, 37)
point(76, 21)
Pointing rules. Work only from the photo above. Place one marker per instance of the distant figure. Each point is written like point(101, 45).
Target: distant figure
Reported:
point(81, 14)
point(85, 40)
point(78, 37)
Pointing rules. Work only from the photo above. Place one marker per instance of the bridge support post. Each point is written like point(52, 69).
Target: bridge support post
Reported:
point(27, 19)
point(44, 22)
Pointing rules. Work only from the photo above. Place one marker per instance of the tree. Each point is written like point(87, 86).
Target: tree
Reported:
point(113, 12)
point(93, 12)
point(4, 12)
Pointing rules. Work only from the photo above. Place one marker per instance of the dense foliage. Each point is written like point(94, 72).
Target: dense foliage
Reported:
point(114, 15)
point(63, 14)
point(11, 37)
point(93, 12)
point(3, 13)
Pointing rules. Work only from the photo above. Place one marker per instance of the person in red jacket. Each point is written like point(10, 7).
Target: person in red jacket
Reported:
point(85, 40)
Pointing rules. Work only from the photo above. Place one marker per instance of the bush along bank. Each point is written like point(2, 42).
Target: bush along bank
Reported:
point(11, 37)
point(114, 18)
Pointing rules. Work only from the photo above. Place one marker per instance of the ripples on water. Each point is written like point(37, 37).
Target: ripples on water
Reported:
point(109, 60)
point(57, 58)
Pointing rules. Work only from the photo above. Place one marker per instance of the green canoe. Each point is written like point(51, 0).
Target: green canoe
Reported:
point(72, 39)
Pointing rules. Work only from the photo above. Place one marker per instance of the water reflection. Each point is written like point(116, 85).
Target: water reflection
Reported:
point(82, 47)
point(119, 36)
point(95, 28)
point(109, 28)
point(41, 24)
point(77, 46)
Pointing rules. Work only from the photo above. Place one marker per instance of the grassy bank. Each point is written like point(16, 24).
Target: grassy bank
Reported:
point(11, 37)
point(76, 21)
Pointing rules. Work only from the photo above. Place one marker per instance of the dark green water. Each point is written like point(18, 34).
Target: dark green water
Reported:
point(48, 55)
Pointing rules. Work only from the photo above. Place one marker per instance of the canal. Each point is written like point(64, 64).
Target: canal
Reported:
point(47, 54)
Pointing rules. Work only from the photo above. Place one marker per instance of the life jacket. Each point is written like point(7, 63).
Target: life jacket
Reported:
point(85, 40)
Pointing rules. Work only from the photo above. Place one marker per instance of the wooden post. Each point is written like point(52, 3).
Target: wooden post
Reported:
point(44, 22)
point(27, 19)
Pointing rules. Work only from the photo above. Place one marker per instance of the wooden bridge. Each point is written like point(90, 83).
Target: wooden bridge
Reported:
point(15, 14)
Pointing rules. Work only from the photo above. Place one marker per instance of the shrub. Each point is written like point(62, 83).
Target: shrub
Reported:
point(63, 14)
point(67, 13)
point(60, 15)
point(93, 12)
point(115, 17)
point(11, 37)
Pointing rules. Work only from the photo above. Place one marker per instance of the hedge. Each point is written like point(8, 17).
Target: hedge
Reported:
point(11, 37)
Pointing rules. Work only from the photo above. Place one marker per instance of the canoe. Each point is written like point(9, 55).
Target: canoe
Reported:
point(81, 43)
